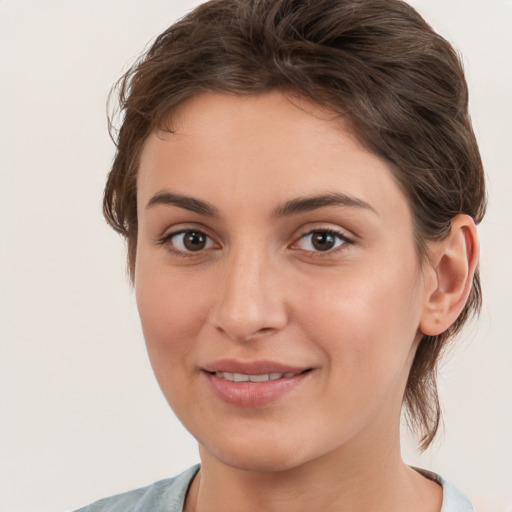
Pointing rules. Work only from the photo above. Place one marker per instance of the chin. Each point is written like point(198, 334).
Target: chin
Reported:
point(257, 457)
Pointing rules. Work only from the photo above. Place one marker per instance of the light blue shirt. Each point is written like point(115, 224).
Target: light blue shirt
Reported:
point(169, 496)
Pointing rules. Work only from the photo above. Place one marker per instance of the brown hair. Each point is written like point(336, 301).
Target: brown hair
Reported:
point(375, 61)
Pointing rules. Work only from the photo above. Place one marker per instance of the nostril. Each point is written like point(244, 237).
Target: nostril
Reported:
point(244, 318)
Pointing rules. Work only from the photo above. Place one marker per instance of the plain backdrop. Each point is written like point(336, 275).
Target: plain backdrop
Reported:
point(81, 416)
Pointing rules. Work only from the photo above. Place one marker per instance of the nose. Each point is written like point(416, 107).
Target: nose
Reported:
point(250, 300)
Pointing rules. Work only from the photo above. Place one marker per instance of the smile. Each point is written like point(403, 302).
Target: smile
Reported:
point(241, 377)
point(253, 384)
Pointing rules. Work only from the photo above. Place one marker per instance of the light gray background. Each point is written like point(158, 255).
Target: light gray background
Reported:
point(81, 414)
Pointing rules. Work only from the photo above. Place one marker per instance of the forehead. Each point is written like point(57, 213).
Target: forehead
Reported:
point(271, 146)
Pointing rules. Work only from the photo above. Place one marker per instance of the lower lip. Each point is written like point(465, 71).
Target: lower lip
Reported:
point(253, 394)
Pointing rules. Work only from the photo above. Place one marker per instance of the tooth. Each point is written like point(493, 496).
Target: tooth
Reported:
point(259, 378)
point(240, 377)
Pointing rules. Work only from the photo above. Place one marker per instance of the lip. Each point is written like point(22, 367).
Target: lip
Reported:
point(253, 394)
point(251, 367)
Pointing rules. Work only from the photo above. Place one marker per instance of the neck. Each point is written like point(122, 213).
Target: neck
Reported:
point(348, 479)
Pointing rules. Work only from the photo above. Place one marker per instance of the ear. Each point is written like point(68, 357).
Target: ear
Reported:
point(452, 264)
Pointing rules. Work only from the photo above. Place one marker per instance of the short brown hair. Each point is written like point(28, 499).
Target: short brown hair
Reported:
point(376, 62)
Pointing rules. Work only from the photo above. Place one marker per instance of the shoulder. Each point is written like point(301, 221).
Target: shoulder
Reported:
point(165, 495)
point(453, 499)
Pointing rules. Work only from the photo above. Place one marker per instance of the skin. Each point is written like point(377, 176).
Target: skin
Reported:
point(259, 289)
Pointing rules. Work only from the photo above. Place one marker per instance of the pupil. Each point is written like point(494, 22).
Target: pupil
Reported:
point(323, 241)
point(194, 241)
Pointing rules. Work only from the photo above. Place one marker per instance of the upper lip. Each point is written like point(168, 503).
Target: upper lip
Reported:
point(260, 367)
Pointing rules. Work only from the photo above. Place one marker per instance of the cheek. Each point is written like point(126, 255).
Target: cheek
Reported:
point(367, 319)
point(172, 310)
point(171, 317)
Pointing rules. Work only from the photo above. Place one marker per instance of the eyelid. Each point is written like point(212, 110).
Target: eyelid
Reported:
point(167, 237)
point(336, 232)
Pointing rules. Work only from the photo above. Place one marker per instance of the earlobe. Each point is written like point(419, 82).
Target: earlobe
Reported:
point(453, 261)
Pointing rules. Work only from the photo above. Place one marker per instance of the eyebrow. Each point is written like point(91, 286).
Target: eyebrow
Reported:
point(185, 202)
point(310, 203)
point(292, 207)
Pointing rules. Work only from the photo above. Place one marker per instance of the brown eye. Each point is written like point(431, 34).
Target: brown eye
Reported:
point(189, 241)
point(194, 240)
point(321, 241)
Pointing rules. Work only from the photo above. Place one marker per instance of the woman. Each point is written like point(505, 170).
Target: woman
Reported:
point(298, 183)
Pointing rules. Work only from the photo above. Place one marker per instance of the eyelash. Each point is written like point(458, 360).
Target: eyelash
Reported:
point(340, 237)
point(167, 241)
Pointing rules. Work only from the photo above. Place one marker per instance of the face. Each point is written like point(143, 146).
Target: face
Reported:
point(277, 281)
